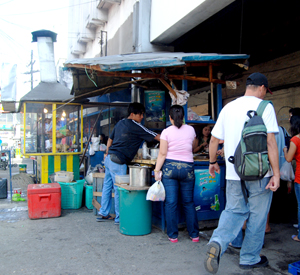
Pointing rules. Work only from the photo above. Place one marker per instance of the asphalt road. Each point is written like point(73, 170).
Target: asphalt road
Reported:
point(15, 170)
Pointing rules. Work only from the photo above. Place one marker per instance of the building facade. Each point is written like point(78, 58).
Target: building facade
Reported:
point(265, 30)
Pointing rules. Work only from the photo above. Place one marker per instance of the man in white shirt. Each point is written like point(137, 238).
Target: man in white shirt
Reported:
point(228, 128)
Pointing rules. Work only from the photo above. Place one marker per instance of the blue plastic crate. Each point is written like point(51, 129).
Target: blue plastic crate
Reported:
point(294, 268)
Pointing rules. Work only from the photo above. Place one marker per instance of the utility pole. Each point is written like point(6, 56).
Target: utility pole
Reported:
point(31, 70)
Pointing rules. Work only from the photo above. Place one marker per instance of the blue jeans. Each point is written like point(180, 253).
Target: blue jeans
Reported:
point(237, 211)
point(179, 178)
point(297, 192)
point(111, 170)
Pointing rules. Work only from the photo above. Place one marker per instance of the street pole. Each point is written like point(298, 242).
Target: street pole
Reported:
point(31, 70)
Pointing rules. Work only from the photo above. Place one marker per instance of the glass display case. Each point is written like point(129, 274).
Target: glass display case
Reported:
point(52, 128)
point(198, 108)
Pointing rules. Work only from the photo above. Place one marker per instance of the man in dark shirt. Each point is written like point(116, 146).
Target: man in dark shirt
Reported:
point(122, 145)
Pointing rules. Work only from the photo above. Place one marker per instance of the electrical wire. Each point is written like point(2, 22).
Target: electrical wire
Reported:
point(90, 78)
point(14, 44)
point(20, 26)
point(6, 2)
point(50, 10)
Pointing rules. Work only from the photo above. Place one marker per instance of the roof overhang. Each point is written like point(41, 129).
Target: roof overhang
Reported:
point(96, 76)
point(9, 107)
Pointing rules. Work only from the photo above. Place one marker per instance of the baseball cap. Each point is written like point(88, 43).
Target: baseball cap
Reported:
point(258, 79)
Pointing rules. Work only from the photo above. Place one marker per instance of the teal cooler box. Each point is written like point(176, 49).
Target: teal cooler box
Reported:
point(71, 194)
point(135, 212)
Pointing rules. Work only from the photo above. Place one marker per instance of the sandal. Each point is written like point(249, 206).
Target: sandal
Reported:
point(105, 218)
point(173, 240)
point(195, 240)
point(295, 238)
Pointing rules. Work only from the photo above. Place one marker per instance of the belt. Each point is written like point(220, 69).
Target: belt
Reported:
point(114, 158)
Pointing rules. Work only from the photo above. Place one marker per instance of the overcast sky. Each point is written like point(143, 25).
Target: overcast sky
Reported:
point(18, 18)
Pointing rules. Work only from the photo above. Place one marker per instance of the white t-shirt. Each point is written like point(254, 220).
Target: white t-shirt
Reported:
point(230, 124)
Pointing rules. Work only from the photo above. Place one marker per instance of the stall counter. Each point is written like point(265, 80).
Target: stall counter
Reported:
point(209, 196)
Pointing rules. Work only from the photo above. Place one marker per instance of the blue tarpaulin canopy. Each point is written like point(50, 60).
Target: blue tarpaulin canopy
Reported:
point(116, 71)
point(138, 61)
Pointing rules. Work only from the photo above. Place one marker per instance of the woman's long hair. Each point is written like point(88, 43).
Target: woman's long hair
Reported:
point(295, 125)
point(177, 114)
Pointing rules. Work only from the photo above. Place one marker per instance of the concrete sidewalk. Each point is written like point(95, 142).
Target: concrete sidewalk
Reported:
point(76, 244)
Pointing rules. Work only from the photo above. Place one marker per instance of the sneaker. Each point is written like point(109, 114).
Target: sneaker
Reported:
point(173, 240)
point(262, 263)
point(195, 240)
point(236, 247)
point(117, 223)
point(295, 225)
point(211, 263)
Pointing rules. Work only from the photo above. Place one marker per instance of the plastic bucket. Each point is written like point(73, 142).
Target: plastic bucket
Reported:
point(135, 212)
point(22, 168)
point(71, 194)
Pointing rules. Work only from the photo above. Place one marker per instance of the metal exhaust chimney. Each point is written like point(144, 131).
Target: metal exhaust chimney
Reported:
point(45, 40)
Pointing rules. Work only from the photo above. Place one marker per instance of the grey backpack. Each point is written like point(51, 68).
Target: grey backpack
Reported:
point(250, 159)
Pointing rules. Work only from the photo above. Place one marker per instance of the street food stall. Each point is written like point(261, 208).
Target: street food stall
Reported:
point(159, 80)
point(52, 130)
point(52, 133)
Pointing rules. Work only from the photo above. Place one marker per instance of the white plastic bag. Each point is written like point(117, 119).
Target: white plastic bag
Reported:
point(156, 192)
point(91, 151)
point(287, 172)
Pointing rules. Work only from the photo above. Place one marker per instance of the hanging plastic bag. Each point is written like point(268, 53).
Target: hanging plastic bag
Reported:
point(156, 192)
point(91, 151)
point(287, 172)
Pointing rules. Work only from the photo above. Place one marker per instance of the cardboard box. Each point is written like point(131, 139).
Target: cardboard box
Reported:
point(44, 200)
point(63, 176)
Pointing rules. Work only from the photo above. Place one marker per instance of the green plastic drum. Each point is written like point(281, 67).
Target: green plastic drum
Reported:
point(135, 212)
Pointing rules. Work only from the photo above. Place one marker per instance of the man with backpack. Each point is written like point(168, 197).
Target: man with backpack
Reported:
point(248, 195)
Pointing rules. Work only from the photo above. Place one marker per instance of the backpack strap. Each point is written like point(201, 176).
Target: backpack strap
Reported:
point(261, 107)
point(286, 134)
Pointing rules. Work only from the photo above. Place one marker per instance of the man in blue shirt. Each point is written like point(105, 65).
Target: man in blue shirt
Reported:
point(122, 146)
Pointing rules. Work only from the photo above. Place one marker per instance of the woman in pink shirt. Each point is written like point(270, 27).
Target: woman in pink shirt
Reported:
point(175, 159)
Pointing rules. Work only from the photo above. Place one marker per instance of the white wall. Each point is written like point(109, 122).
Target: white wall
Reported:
point(117, 15)
point(172, 19)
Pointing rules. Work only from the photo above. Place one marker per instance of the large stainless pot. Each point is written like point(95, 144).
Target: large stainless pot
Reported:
point(154, 153)
point(139, 175)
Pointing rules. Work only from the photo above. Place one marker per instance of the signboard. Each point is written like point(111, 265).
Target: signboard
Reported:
point(155, 105)
point(207, 191)
point(6, 127)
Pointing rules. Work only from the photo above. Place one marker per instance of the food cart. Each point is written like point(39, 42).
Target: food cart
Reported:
point(52, 132)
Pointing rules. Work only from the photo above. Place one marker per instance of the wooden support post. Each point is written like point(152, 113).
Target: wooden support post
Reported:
point(168, 87)
point(210, 68)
